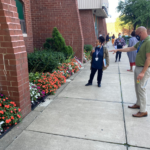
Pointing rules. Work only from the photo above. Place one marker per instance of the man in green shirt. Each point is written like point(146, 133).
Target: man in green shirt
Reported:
point(142, 70)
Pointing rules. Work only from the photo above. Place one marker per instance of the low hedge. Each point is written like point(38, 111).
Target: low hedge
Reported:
point(44, 60)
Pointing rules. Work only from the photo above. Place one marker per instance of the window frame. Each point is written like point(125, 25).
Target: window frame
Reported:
point(22, 22)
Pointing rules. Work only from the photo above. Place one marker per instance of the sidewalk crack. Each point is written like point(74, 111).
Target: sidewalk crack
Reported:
point(127, 145)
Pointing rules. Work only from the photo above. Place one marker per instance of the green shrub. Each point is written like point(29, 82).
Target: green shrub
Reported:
point(88, 48)
point(34, 76)
point(57, 43)
point(44, 61)
point(70, 51)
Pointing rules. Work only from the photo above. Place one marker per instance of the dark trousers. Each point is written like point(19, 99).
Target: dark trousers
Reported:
point(99, 76)
point(118, 54)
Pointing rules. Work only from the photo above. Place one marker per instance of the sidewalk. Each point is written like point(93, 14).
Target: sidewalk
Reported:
point(87, 118)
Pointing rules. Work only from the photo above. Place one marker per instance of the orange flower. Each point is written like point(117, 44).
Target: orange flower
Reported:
point(1, 112)
point(8, 121)
point(12, 117)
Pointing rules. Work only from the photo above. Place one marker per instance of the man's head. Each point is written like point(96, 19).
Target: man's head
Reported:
point(141, 33)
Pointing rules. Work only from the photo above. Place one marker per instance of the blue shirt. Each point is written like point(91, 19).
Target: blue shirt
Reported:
point(98, 64)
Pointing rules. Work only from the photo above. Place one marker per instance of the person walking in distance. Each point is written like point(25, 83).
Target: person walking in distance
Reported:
point(119, 42)
point(107, 39)
point(142, 70)
point(132, 55)
point(113, 39)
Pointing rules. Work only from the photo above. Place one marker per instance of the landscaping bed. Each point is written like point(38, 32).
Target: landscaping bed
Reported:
point(48, 70)
point(10, 115)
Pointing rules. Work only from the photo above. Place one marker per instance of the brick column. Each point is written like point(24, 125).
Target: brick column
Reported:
point(14, 79)
point(102, 26)
point(88, 28)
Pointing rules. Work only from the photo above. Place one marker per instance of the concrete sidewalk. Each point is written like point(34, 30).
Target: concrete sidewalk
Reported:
point(88, 118)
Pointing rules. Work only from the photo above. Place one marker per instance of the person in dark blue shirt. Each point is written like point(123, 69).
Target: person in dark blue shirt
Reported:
point(98, 55)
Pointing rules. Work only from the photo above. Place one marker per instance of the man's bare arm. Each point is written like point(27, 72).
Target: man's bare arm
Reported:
point(128, 49)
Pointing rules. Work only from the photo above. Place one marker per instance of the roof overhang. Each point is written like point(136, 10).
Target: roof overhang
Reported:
point(100, 13)
point(99, 7)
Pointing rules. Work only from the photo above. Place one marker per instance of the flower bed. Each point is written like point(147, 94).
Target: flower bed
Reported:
point(9, 114)
point(69, 69)
point(37, 95)
point(41, 85)
point(47, 83)
point(87, 56)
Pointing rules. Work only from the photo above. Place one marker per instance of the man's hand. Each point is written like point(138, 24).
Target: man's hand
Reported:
point(114, 51)
point(140, 76)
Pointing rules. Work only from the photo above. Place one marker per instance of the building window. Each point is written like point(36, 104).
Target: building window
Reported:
point(20, 8)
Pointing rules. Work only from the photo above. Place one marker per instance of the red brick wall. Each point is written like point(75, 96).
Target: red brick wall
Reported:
point(14, 78)
point(47, 14)
point(102, 26)
point(29, 39)
point(87, 21)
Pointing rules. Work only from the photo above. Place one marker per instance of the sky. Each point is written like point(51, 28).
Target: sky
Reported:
point(112, 11)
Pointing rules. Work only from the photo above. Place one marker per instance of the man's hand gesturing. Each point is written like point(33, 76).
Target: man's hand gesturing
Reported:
point(114, 51)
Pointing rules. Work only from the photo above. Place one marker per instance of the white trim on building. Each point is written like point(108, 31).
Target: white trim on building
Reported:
point(98, 6)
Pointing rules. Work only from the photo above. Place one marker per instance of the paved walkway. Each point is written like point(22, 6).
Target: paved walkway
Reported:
point(89, 118)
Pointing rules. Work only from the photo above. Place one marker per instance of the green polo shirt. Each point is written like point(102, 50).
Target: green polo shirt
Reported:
point(141, 55)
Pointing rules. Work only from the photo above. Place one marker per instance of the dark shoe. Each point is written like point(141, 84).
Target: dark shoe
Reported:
point(115, 60)
point(134, 107)
point(99, 85)
point(119, 60)
point(88, 84)
point(140, 114)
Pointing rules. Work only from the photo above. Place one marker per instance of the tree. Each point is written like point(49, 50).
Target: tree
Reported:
point(135, 12)
point(120, 25)
point(57, 43)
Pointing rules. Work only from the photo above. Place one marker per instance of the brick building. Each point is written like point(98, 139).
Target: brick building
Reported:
point(93, 14)
point(25, 25)
point(79, 21)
